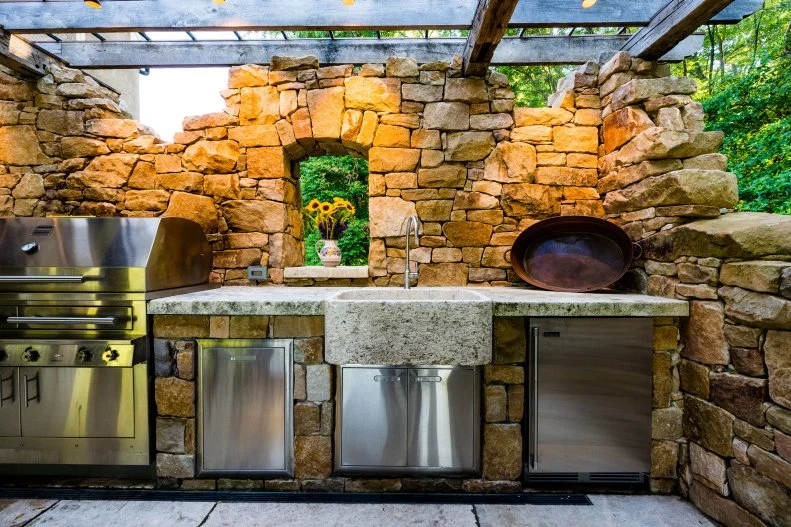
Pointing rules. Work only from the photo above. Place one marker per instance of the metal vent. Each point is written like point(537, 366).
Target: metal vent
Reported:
point(42, 230)
point(616, 477)
point(553, 477)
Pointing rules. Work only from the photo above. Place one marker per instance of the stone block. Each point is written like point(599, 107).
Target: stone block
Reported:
point(502, 451)
point(174, 397)
point(662, 379)
point(372, 93)
point(694, 378)
point(638, 90)
point(467, 233)
point(779, 418)
point(309, 350)
point(752, 434)
point(756, 309)
point(163, 358)
point(777, 350)
point(388, 214)
point(664, 459)
point(443, 274)
point(170, 435)
point(255, 216)
point(319, 382)
point(541, 116)
point(516, 403)
point(393, 159)
point(199, 209)
point(709, 467)
point(742, 396)
point(760, 495)
point(312, 457)
point(300, 383)
point(761, 276)
point(622, 125)
point(531, 200)
point(511, 163)
point(268, 163)
point(185, 360)
point(500, 374)
point(532, 134)
point(770, 465)
point(708, 425)
point(326, 108)
point(212, 157)
point(373, 485)
point(704, 334)
point(307, 419)
point(666, 423)
point(298, 326)
point(469, 146)
point(724, 510)
point(392, 136)
point(447, 116)
point(584, 139)
point(509, 340)
point(175, 466)
point(181, 326)
point(496, 404)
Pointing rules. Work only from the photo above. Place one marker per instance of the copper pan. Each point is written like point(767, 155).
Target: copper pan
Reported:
point(572, 253)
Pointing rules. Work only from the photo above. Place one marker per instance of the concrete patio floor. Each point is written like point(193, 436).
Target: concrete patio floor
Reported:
point(607, 511)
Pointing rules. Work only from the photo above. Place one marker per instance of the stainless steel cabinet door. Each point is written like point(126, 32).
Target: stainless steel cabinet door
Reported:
point(590, 395)
point(374, 428)
point(442, 418)
point(244, 393)
point(9, 402)
point(77, 402)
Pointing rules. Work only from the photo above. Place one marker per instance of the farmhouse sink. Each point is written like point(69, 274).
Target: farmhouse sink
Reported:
point(422, 326)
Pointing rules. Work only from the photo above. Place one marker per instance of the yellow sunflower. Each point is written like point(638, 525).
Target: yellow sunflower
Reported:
point(313, 206)
point(326, 208)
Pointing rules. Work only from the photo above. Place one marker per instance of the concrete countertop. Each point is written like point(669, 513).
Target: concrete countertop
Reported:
point(507, 301)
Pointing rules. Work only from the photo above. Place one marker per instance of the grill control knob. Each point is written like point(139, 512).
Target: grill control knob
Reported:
point(30, 355)
point(110, 355)
point(84, 355)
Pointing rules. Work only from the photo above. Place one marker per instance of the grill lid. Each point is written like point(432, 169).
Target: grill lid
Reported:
point(102, 254)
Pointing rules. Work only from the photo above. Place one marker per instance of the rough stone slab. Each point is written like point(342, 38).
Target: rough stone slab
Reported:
point(507, 302)
point(16, 513)
point(350, 271)
point(123, 513)
point(420, 326)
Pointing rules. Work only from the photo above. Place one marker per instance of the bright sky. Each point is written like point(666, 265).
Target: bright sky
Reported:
point(167, 96)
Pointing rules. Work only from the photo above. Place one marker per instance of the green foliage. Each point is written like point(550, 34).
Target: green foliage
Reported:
point(324, 178)
point(744, 73)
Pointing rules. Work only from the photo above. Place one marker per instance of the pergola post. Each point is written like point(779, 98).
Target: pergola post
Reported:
point(488, 27)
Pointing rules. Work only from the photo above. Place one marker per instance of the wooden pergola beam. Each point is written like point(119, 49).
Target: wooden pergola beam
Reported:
point(488, 27)
point(29, 60)
point(676, 21)
point(276, 15)
point(511, 51)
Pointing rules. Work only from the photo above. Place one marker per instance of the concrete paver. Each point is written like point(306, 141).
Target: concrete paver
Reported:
point(607, 511)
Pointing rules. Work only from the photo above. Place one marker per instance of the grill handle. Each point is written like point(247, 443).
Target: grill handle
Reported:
point(42, 279)
point(101, 321)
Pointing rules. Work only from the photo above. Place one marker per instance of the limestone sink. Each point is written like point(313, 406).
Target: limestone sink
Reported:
point(421, 326)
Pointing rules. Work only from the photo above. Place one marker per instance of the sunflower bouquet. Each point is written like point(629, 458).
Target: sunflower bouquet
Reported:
point(330, 218)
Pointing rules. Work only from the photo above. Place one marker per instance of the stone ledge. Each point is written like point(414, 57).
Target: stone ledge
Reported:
point(319, 272)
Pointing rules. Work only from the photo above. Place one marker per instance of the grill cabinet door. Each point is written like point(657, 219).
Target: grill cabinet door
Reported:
point(374, 427)
point(77, 402)
point(9, 402)
point(244, 392)
point(442, 418)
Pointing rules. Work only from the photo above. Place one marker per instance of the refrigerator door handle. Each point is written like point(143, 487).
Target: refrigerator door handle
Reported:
point(534, 400)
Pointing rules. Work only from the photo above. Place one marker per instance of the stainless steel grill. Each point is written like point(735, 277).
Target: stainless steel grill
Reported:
point(74, 334)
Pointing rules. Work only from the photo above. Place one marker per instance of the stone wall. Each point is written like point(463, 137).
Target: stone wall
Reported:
point(452, 150)
point(727, 423)
point(503, 408)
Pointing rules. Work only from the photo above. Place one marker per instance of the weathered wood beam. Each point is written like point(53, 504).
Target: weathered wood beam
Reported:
point(511, 51)
point(488, 27)
point(276, 15)
point(29, 60)
point(672, 24)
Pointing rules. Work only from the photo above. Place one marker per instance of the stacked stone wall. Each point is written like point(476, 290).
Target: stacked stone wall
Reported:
point(726, 427)
point(450, 149)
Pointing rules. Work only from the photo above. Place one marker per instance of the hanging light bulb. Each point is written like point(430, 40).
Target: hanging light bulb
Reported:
point(586, 4)
point(219, 2)
point(348, 2)
point(96, 4)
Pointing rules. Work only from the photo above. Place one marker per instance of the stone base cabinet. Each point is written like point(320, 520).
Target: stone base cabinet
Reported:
point(502, 411)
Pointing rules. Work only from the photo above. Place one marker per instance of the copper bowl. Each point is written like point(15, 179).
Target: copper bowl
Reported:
point(572, 253)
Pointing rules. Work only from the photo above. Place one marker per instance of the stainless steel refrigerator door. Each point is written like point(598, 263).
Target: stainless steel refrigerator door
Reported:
point(77, 402)
point(442, 419)
point(244, 423)
point(9, 403)
point(590, 395)
point(374, 417)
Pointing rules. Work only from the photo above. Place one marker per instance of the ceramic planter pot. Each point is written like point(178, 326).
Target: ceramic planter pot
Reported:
point(329, 252)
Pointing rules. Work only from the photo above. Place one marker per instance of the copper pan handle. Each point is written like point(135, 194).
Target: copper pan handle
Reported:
point(637, 251)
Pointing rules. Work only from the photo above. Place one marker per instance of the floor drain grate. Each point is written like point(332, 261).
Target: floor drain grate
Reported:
point(292, 497)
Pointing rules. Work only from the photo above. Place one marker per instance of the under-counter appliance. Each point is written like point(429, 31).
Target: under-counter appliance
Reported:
point(422, 420)
point(588, 395)
point(245, 407)
point(75, 338)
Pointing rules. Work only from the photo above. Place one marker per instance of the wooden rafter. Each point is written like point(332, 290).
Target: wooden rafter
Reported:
point(488, 27)
point(22, 57)
point(671, 24)
point(276, 15)
point(511, 51)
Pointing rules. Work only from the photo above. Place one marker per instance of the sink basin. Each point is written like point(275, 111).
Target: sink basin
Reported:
point(421, 326)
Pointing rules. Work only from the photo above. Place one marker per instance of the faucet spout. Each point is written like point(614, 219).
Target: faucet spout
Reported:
point(411, 227)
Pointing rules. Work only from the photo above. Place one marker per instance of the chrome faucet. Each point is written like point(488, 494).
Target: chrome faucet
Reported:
point(412, 223)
